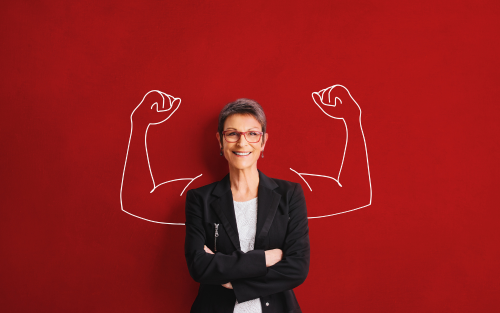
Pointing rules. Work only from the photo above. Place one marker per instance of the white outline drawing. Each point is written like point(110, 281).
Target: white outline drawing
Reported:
point(171, 100)
point(321, 94)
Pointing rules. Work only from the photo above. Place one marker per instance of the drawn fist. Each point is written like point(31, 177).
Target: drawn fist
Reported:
point(155, 108)
point(337, 102)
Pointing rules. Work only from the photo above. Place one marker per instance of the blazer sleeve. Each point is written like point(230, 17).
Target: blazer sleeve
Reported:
point(292, 270)
point(215, 268)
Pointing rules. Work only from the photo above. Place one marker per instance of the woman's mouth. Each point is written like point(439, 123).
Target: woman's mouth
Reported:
point(242, 153)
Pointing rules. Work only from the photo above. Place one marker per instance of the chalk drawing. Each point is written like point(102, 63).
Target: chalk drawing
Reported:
point(172, 101)
point(320, 98)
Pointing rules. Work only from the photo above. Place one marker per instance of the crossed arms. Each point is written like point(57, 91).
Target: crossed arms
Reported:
point(247, 272)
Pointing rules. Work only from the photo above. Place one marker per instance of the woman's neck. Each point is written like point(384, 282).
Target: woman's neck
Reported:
point(244, 183)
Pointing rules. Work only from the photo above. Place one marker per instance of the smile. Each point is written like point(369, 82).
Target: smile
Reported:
point(241, 153)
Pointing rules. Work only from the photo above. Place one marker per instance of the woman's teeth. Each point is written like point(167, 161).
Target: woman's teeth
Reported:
point(240, 153)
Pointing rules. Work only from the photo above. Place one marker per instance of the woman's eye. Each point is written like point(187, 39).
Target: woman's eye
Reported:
point(253, 134)
point(232, 134)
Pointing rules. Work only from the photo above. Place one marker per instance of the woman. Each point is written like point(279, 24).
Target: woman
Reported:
point(247, 238)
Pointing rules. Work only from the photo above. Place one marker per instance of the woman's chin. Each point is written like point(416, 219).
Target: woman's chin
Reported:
point(242, 165)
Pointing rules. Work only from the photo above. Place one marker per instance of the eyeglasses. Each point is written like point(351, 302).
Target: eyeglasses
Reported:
point(233, 136)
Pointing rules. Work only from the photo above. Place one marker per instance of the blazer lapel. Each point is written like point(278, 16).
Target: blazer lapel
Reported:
point(268, 202)
point(224, 208)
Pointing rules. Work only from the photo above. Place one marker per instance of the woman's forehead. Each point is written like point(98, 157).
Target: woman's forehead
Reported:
point(241, 121)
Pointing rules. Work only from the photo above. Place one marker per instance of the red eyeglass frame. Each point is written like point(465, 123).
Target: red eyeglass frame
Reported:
point(242, 133)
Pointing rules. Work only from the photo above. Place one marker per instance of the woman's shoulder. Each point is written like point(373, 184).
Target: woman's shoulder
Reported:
point(285, 186)
point(216, 188)
point(279, 185)
point(206, 189)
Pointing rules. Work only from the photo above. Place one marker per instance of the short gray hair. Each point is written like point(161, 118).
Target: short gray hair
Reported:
point(242, 106)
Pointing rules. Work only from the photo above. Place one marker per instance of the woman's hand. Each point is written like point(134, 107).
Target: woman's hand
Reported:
point(207, 250)
point(273, 256)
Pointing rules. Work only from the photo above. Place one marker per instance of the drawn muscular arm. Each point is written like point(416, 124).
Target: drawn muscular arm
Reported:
point(139, 191)
point(353, 174)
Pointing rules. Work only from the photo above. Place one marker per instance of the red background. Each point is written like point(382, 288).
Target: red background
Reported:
point(424, 73)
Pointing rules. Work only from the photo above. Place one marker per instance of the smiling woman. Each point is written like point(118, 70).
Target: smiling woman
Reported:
point(242, 152)
point(247, 237)
point(242, 117)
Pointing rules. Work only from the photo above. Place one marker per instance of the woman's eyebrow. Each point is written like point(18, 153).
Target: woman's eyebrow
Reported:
point(228, 128)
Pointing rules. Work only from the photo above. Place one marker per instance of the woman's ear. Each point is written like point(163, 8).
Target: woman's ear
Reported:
point(266, 135)
point(218, 139)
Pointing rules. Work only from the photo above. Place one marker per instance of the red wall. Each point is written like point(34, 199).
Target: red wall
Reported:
point(425, 75)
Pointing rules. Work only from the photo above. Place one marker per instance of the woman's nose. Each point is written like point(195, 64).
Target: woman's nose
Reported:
point(242, 141)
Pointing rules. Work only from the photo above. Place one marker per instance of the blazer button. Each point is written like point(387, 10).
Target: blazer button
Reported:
point(267, 303)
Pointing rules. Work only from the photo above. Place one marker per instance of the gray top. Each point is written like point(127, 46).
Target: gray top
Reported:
point(246, 219)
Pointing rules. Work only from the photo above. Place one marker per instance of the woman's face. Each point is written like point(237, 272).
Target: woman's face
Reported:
point(251, 151)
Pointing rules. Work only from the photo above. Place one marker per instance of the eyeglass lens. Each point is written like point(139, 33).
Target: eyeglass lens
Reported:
point(249, 136)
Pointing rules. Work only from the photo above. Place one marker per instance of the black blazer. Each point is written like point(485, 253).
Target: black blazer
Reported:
point(281, 223)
